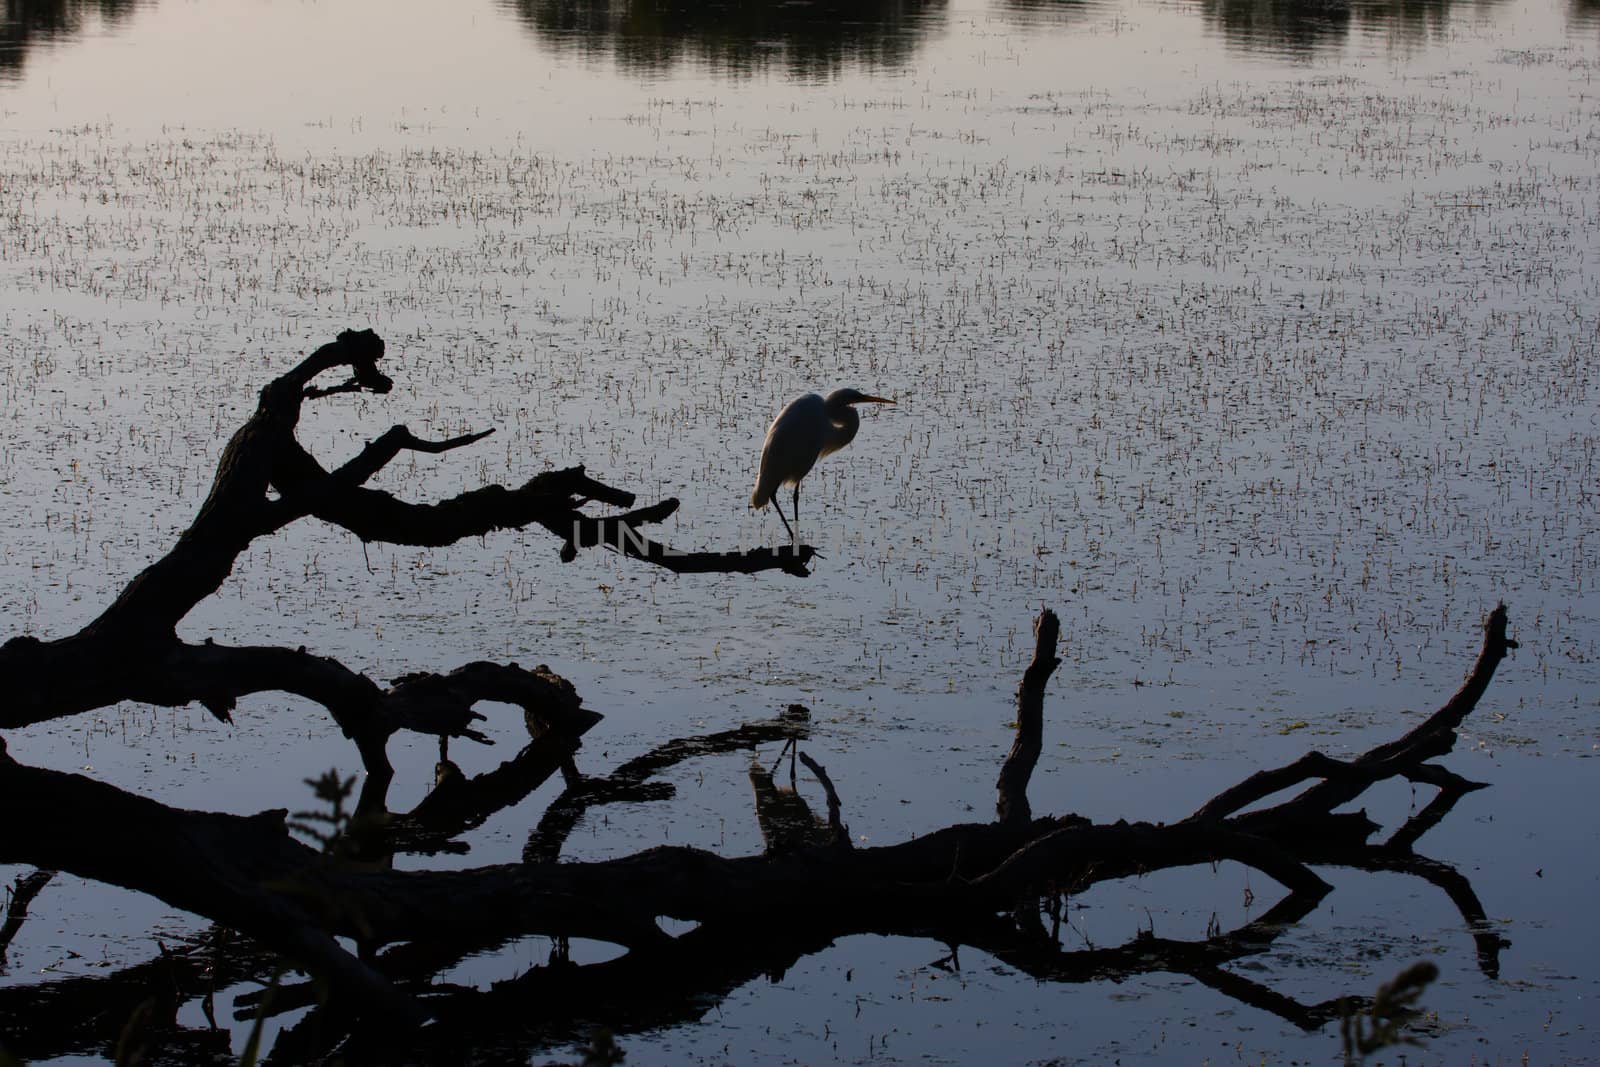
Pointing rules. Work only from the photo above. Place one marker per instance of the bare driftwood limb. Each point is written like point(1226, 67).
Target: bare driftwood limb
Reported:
point(959, 885)
point(1201, 960)
point(787, 822)
point(630, 782)
point(266, 480)
point(458, 804)
point(836, 827)
point(1343, 782)
point(1455, 885)
point(560, 1000)
point(84, 1015)
point(1012, 805)
point(18, 897)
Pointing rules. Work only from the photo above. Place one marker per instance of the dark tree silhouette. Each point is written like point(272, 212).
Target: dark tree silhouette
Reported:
point(1303, 28)
point(996, 885)
point(810, 40)
point(27, 24)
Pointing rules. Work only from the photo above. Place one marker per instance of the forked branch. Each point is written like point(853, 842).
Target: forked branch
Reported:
point(960, 884)
point(266, 480)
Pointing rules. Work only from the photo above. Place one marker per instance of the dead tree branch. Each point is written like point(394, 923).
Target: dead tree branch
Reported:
point(1012, 805)
point(266, 480)
point(18, 897)
point(260, 880)
point(960, 884)
point(1343, 782)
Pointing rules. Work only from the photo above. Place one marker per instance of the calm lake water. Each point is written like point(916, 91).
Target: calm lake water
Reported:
point(1257, 339)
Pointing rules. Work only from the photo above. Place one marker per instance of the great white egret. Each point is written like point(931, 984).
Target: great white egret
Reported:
point(805, 431)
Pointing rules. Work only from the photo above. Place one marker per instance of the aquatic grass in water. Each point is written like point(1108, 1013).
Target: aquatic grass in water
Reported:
point(1270, 375)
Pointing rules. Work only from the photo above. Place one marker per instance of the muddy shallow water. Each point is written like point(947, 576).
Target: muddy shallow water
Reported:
point(1260, 344)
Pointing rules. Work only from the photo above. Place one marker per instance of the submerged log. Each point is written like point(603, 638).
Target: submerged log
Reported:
point(959, 884)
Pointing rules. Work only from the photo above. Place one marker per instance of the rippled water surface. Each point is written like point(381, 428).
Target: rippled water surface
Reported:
point(1257, 339)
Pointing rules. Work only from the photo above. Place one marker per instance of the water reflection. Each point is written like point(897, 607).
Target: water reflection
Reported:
point(1584, 14)
point(1055, 12)
point(811, 40)
point(30, 23)
point(1299, 29)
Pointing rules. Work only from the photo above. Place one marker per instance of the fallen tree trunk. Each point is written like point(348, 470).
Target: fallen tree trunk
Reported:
point(986, 885)
point(956, 884)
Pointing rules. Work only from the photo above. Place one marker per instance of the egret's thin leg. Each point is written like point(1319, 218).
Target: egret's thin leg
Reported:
point(779, 509)
point(797, 503)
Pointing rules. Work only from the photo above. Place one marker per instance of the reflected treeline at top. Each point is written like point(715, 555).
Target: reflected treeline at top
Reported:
point(30, 23)
point(1302, 28)
point(1052, 12)
point(1585, 13)
point(811, 39)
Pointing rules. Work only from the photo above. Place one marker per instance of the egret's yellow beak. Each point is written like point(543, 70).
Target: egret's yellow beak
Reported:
point(874, 400)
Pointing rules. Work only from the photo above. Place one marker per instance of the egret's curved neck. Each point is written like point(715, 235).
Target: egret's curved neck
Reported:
point(843, 422)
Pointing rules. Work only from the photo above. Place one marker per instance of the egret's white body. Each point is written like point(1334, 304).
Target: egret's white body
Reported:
point(809, 428)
